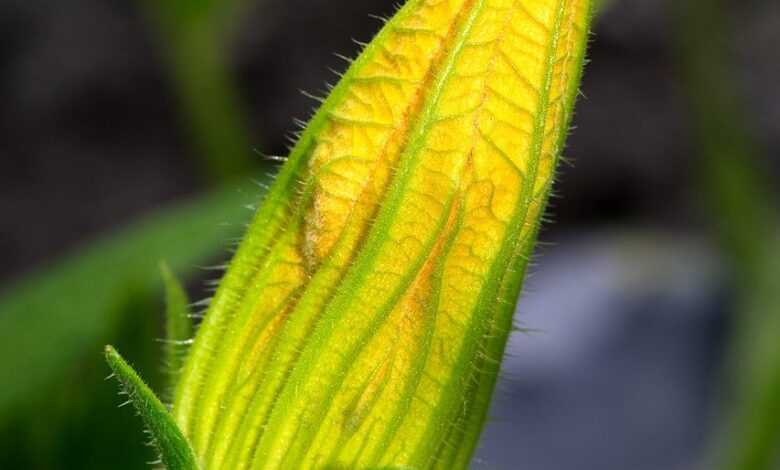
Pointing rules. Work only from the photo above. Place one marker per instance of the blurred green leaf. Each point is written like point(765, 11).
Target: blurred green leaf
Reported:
point(55, 426)
point(174, 449)
point(50, 319)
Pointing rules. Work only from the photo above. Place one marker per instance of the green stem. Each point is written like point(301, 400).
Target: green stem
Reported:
point(740, 201)
point(731, 175)
point(209, 100)
point(197, 39)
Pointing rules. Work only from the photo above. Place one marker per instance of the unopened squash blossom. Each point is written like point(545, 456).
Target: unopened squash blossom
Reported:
point(363, 319)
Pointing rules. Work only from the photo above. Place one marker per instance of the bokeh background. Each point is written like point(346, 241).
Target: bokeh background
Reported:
point(136, 131)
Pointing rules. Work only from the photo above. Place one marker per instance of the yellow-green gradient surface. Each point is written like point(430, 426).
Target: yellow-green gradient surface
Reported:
point(363, 319)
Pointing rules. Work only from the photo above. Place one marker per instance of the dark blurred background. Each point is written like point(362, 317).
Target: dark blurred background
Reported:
point(632, 302)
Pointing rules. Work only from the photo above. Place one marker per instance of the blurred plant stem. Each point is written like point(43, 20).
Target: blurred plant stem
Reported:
point(197, 37)
point(747, 225)
point(732, 178)
point(600, 6)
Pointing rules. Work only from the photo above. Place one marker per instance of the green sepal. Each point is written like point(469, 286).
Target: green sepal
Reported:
point(178, 324)
point(174, 449)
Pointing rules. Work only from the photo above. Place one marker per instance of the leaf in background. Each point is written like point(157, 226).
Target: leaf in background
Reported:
point(55, 426)
point(363, 320)
point(174, 450)
point(51, 319)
